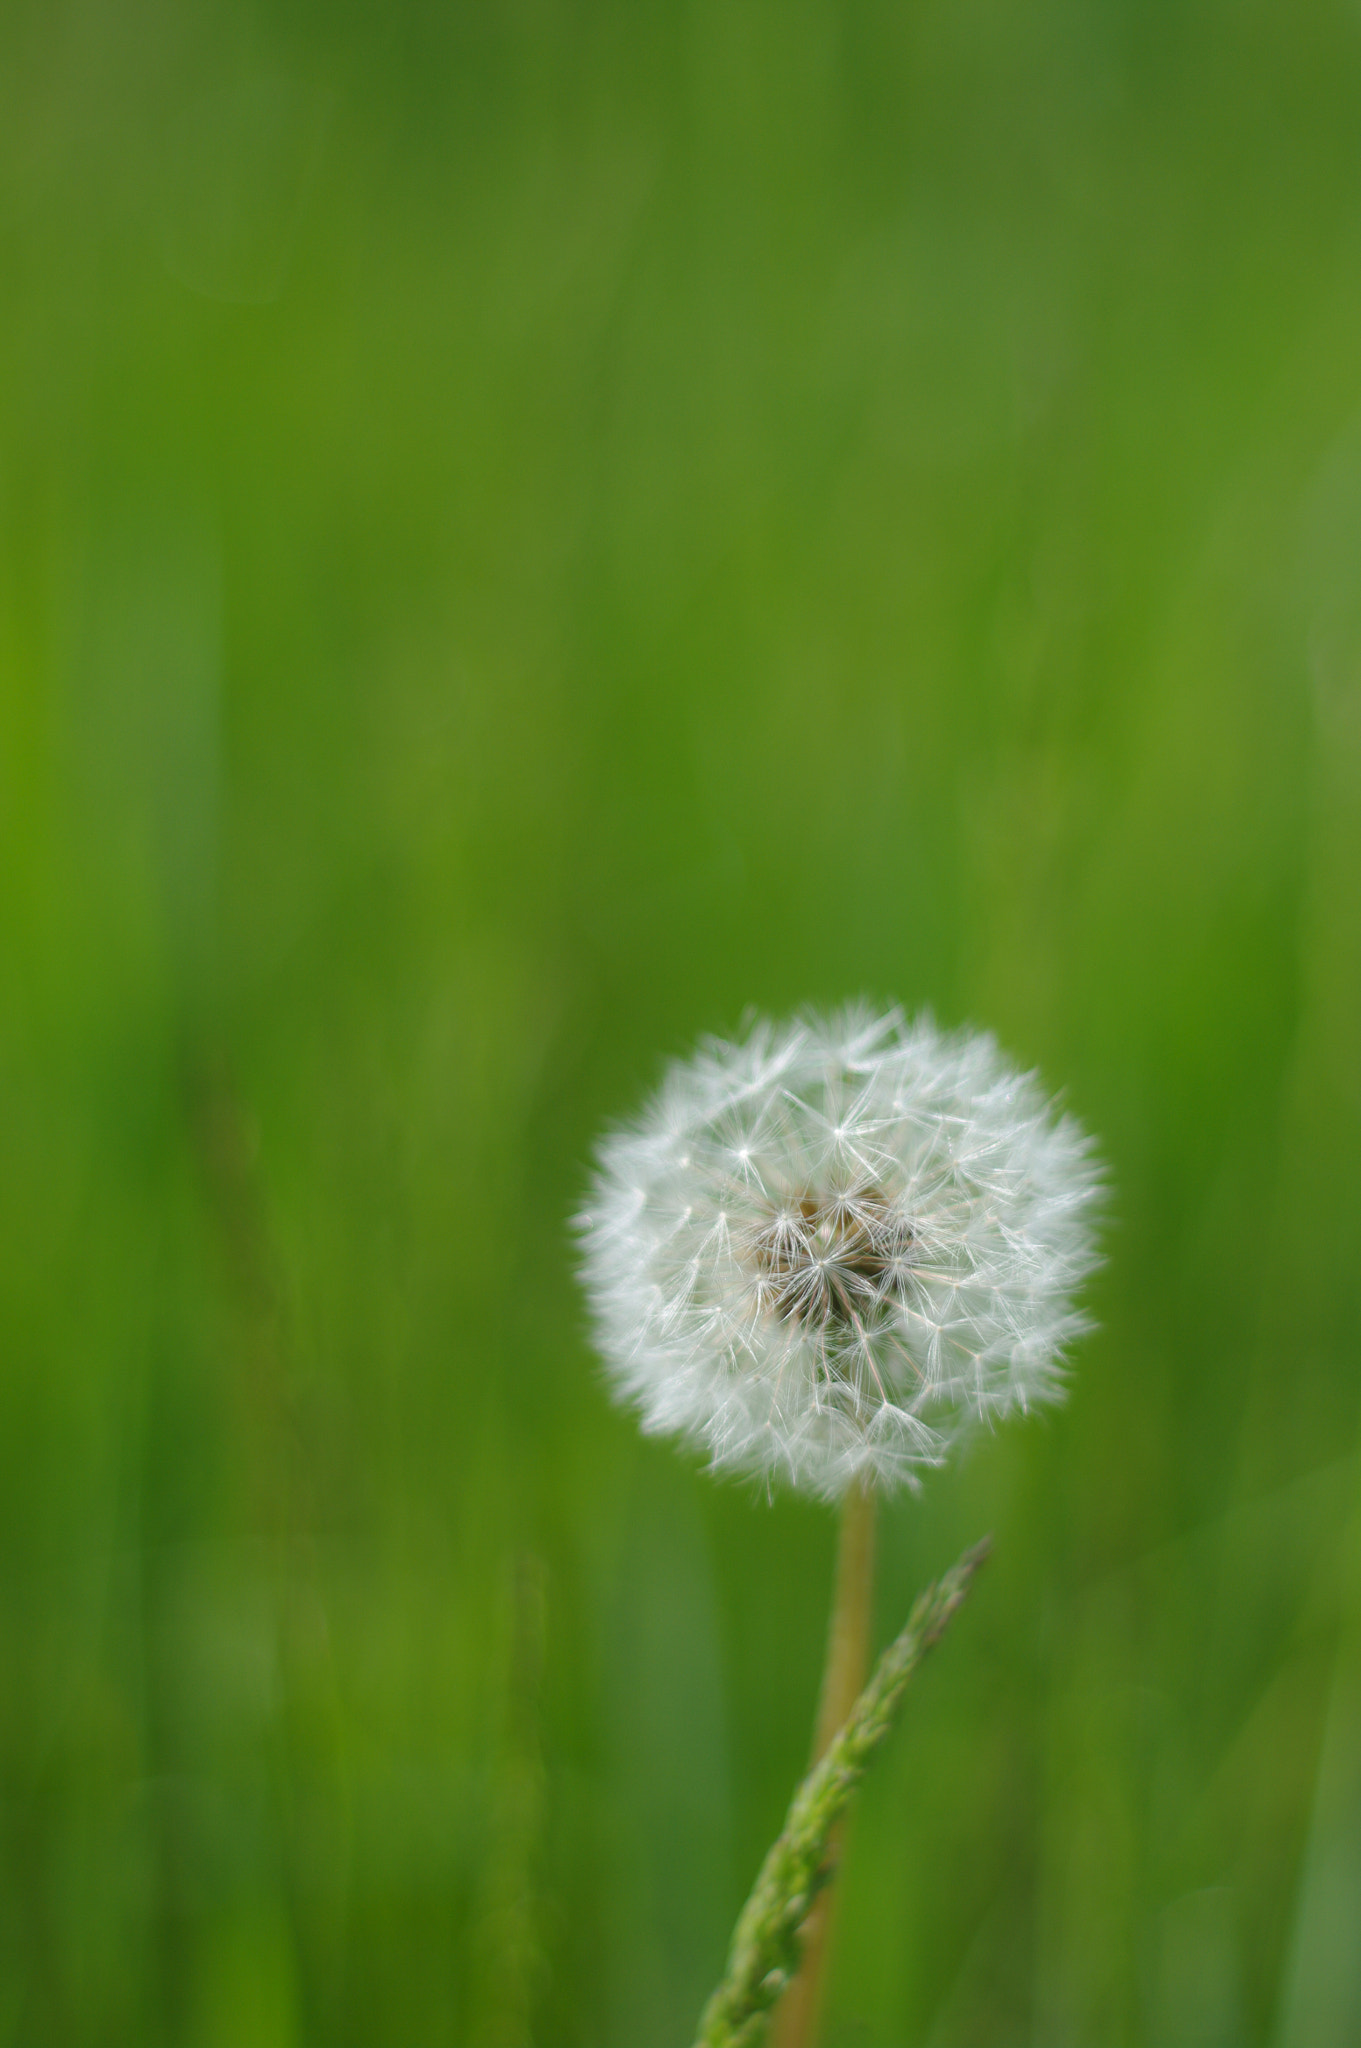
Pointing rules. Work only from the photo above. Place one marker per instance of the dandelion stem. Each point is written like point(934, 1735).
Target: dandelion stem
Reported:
point(770, 1929)
point(848, 1643)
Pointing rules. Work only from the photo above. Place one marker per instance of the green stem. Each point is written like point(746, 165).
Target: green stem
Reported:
point(766, 1943)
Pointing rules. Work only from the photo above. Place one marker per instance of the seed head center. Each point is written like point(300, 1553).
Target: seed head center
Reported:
point(835, 1258)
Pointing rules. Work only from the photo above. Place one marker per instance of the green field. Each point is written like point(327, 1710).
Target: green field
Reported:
point(525, 530)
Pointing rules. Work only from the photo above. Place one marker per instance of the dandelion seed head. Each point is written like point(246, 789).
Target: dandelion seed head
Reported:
point(826, 1251)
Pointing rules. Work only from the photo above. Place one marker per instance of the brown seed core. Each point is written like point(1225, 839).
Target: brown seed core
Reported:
point(834, 1258)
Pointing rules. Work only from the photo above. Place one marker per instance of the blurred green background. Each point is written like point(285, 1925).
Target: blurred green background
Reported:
point(525, 529)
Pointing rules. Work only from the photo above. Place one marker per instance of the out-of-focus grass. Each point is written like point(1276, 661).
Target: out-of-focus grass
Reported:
point(524, 530)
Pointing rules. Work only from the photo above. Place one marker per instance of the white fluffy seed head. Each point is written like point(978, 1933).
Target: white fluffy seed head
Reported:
point(823, 1253)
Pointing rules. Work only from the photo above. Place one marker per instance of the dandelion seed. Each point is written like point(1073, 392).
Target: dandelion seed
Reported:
point(823, 1253)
